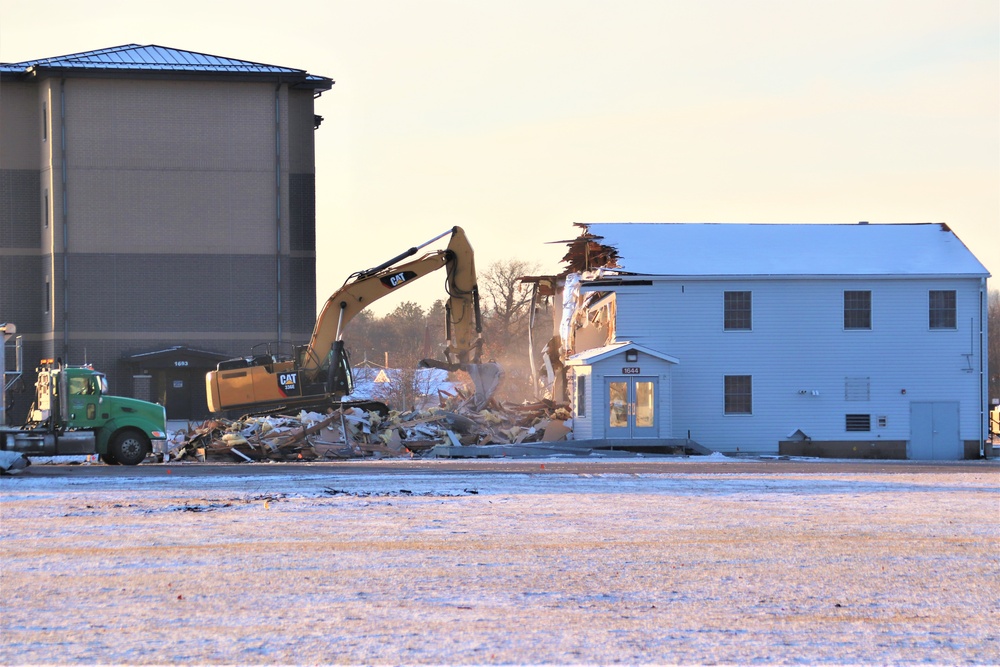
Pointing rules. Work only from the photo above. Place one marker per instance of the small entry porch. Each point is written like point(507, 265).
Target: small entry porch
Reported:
point(622, 392)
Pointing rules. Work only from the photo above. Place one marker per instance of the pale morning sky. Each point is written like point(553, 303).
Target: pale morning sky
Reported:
point(516, 118)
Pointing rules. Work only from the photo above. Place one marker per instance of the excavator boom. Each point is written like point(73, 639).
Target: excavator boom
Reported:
point(365, 287)
point(320, 373)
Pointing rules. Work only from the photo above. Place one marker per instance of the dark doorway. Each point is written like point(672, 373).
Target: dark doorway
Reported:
point(177, 379)
point(178, 394)
point(181, 393)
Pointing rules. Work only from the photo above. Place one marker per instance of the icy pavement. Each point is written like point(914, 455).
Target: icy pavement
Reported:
point(430, 567)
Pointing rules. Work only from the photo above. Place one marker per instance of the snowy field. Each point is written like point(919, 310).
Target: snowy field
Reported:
point(323, 565)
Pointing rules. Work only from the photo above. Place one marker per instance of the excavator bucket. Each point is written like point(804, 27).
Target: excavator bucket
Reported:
point(486, 378)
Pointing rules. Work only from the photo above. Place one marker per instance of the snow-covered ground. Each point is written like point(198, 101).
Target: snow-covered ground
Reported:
point(329, 565)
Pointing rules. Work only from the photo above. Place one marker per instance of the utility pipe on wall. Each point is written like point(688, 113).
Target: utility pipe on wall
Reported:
point(65, 216)
point(983, 385)
point(277, 200)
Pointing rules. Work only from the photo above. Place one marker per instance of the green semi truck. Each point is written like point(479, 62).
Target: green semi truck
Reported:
point(74, 414)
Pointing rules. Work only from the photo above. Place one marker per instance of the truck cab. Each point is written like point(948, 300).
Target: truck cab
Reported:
point(73, 413)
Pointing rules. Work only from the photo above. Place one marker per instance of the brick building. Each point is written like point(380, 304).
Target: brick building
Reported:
point(157, 213)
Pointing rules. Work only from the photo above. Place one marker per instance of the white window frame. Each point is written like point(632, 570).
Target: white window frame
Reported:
point(930, 310)
point(749, 294)
point(871, 309)
point(725, 395)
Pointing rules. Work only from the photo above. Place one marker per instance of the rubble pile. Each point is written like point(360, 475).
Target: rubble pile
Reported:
point(351, 432)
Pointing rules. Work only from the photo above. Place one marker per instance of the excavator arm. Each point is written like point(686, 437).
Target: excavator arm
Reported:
point(361, 289)
point(320, 373)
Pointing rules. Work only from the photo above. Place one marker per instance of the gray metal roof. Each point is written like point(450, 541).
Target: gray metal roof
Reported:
point(153, 58)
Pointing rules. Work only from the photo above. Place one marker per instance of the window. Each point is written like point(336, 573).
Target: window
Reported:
point(739, 395)
point(82, 386)
point(858, 422)
point(45, 122)
point(737, 311)
point(857, 309)
point(581, 396)
point(942, 309)
point(45, 208)
point(48, 295)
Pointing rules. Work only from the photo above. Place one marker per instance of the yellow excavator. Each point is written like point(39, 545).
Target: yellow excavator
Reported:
point(318, 375)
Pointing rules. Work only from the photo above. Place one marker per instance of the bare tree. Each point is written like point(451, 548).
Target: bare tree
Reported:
point(409, 333)
point(507, 314)
point(435, 332)
point(402, 337)
point(406, 326)
point(410, 389)
point(505, 300)
point(363, 338)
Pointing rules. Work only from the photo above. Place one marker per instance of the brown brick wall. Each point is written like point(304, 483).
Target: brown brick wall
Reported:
point(20, 126)
point(302, 156)
point(20, 209)
point(302, 290)
point(165, 166)
point(172, 216)
point(21, 292)
point(133, 293)
point(302, 213)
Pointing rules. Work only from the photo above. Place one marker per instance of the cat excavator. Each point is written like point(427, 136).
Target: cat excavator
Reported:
point(318, 375)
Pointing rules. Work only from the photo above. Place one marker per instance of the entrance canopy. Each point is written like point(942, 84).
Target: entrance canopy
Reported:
point(597, 354)
point(178, 356)
point(622, 391)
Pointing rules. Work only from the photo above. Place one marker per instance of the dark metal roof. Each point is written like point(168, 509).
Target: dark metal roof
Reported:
point(153, 58)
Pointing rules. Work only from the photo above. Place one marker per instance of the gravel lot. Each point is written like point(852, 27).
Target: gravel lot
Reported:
point(380, 565)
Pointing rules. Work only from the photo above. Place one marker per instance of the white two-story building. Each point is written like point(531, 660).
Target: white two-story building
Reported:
point(803, 339)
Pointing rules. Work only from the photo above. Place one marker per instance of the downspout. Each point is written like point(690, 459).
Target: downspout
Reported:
point(65, 217)
point(277, 199)
point(983, 386)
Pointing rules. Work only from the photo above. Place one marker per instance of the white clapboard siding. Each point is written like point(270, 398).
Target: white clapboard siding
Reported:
point(800, 356)
point(582, 421)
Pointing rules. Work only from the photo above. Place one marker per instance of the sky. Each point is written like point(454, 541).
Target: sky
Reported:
point(517, 118)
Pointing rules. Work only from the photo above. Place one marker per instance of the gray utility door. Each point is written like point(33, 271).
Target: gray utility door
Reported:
point(631, 405)
point(934, 433)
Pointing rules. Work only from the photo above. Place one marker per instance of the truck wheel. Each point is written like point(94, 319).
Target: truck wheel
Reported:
point(108, 459)
point(129, 448)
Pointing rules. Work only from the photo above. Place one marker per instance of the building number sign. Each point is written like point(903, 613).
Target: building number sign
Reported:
point(630, 370)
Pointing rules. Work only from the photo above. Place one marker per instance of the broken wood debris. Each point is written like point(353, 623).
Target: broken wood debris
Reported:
point(352, 433)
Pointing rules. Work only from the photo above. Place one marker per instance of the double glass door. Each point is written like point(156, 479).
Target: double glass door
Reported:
point(631, 407)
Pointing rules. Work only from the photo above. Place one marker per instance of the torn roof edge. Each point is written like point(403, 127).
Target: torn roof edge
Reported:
point(788, 250)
